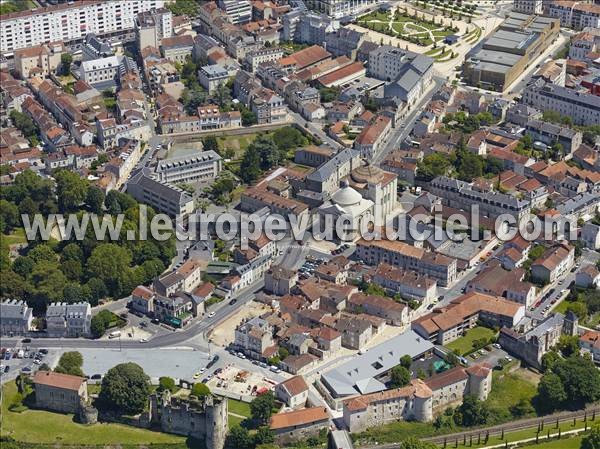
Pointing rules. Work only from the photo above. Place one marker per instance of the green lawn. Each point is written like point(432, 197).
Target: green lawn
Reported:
point(37, 426)
point(17, 236)
point(508, 390)
point(570, 443)
point(464, 345)
point(239, 407)
point(238, 143)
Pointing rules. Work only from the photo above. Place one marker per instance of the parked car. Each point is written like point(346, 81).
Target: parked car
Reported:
point(26, 340)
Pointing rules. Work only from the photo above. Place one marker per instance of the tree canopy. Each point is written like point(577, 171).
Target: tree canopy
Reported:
point(70, 363)
point(400, 376)
point(125, 389)
point(261, 407)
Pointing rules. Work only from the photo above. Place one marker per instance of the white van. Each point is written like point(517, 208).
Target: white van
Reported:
point(114, 334)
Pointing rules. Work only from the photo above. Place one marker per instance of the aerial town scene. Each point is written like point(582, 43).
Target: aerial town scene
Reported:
point(304, 224)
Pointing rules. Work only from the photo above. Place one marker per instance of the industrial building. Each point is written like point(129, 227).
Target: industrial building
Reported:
point(497, 62)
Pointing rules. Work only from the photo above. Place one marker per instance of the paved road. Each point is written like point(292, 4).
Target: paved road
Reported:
point(405, 126)
point(196, 329)
point(315, 128)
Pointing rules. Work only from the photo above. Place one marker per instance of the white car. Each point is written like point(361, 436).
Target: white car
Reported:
point(143, 340)
point(211, 314)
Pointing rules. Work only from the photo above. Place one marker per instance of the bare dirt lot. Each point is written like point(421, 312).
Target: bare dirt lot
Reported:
point(224, 333)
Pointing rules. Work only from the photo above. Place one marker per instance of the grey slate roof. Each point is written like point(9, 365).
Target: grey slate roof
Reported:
point(358, 374)
point(328, 168)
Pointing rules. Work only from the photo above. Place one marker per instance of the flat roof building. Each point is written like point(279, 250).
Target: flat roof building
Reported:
point(509, 50)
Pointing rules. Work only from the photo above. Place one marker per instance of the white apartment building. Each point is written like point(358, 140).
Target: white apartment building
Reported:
point(152, 26)
point(256, 57)
point(189, 169)
point(68, 320)
point(528, 6)
point(583, 108)
point(103, 73)
point(576, 15)
point(238, 11)
point(70, 22)
point(212, 76)
point(340, 8)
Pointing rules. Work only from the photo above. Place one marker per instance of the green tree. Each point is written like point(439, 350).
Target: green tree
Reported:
point(264, 435)
point(200, 390)
point(66, 59)
point(472, 412)
point(125, 389)
point(399, 376)
point(240, 438)
point(24, 123)
point(42, 252)
point(261, 407)
point(23, 266)
point(210, 144)
point(549, 360)
point(250, 165)
point(99, 324)
point(70, 363)
point(283, 353)
point(551, 393)
point(580, 379)
point(432, 166)
point(184, 7)
point(592, 440)
point(522, 408)
point(580, 309)
point(110, 262)
point(288, 138)
point(248, 117)
point(71, 190)
point(9, 216)
point(406, 361)
point(95, 199)
point(568, 345)
point(414, 443)
point(166, 383)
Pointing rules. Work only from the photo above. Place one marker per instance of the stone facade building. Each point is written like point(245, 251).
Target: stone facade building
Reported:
point(203, 420)
point(59, 392)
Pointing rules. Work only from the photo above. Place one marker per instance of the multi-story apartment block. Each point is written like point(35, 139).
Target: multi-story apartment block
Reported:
point(583, 108)
point(104, 73)
point(15, 317)
point(402, 255)
point(70, 22)
point(577, 15)
point(189, 169)
point(177, 49)
point(254, 336)
point(163, 197)
point(40, 60)
point(528, 6)
point(447, 324)
point(109, 132)
point(548, 133)
point(408, 284)
point(340, 8)
point(268, 107)
point(256, 57)
point(152, 26)
point(590, 235)
point(462, 195)
point(584, 43)
point(555, 261)
point(212, 76)
point(237, 11)
point(68, 320)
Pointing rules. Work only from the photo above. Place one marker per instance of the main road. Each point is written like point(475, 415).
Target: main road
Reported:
point(199, 328)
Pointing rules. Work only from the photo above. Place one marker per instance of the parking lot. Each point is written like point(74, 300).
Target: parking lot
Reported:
point(493, 356)
point(21, 360)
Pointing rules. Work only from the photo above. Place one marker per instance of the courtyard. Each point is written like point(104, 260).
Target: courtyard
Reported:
point(412, 27)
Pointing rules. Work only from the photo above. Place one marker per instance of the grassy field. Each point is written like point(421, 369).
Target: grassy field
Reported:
point(508, 390)
point(37, 426)
point(237, 409)
point(17, 236)
point(464, 344)
point(238, 143)
point(565, 443)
